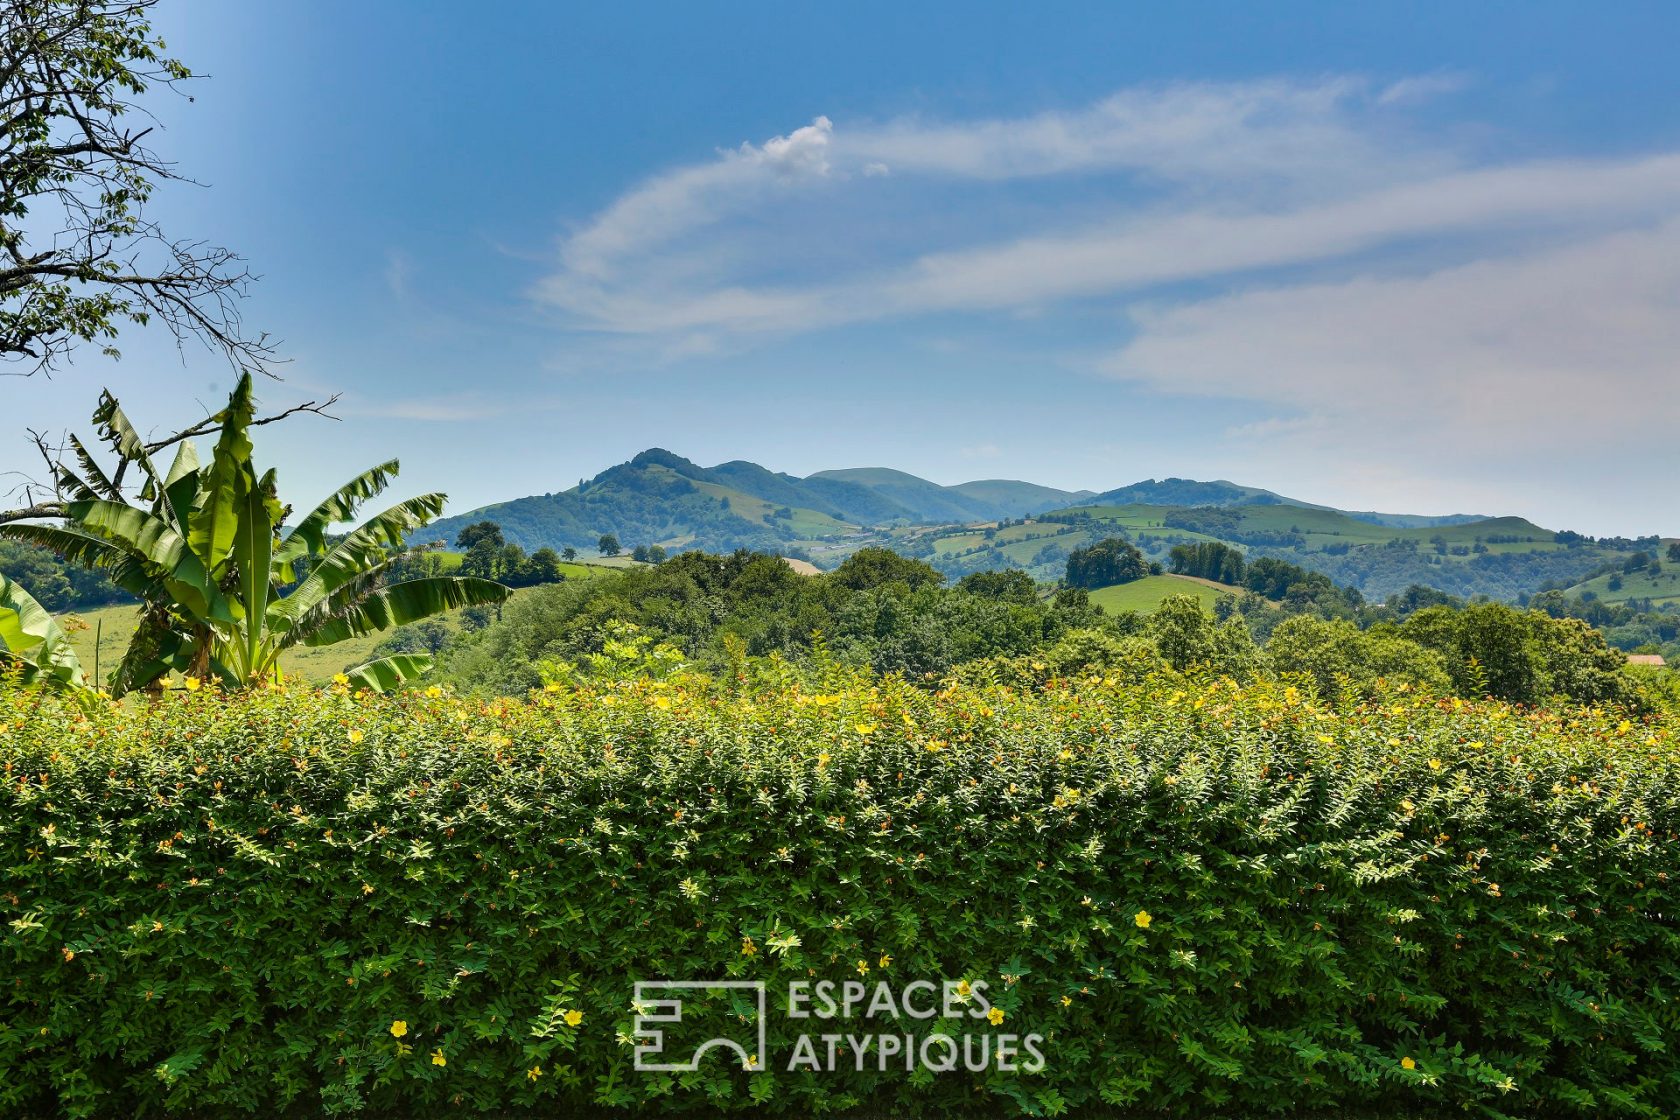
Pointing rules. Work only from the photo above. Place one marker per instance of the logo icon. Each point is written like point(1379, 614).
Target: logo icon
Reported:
point(660, 1006)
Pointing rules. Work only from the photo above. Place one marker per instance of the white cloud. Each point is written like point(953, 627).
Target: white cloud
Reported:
point(671, 204)
point(657, 257)
point(1385, 299)
point(1423, 87)
point(1513, 357)
point(1188, 183)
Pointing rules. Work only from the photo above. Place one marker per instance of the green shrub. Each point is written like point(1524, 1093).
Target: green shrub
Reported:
point(1206, 898)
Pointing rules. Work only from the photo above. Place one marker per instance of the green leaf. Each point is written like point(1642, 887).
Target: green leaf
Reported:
point(153, 541)
point(387, 673)
point(356, 553)
point(30, 635)
point(309, 536)
point(115, 429)
point(253, 546)
point(180, 486)
point(215, 518)
point(379, 609)
point(97, 480)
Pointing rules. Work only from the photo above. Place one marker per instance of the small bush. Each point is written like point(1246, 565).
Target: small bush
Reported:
point(1207, 898)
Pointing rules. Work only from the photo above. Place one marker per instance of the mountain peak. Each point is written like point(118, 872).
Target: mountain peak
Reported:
point(659, 457)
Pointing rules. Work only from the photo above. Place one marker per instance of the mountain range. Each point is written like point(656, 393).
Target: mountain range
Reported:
point(661, 498)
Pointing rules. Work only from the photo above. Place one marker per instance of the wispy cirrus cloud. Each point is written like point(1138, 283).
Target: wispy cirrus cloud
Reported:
point(1306, 245)
point(728, 243)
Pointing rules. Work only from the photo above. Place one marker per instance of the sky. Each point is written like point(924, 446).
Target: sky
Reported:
point(1418, 257)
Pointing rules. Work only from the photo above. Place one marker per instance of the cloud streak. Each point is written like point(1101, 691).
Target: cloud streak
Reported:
point(1308, 246)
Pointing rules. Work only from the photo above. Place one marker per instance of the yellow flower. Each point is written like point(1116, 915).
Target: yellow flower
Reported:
point(963, 988)
point(433, 693)
point(995, 1016)
point(1407, 1063)
point(1476, 744)
point(1143, 919)
point(747, 947)
point(533, 1073)
point(886, 960)
point(355, 735)
point(573, 1018)
point(1434, 764)
point(822, 760)
point(1067, 1001)
point(192, 683)
point(438, 1059)
point(1394, 742)
point(399, 1027)
point(936, 744)
point(863, 968)
point(662, 703)
point(864, 728)
point(340, 679)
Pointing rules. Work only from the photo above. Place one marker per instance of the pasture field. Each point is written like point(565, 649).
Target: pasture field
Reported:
point(1148, 593)
point(100, 636)
point(1663, 587)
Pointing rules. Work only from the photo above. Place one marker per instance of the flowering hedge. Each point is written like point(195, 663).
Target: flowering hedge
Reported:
point(1203, 898)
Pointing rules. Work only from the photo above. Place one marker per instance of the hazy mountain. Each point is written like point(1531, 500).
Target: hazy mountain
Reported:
point(659, 497)
point(1188, 492)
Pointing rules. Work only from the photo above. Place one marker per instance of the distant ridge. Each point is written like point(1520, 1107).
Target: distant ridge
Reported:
point(1189, 492)
point(660, 497)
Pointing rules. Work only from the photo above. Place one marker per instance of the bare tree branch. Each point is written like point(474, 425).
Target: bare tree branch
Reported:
point(81, 258)
point(53, 456)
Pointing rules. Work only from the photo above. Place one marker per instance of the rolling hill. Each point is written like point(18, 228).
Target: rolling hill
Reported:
point(659, 497)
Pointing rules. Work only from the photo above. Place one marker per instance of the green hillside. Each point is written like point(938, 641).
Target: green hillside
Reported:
point(661, 498)
point(1660, 587)
point(1144, 595)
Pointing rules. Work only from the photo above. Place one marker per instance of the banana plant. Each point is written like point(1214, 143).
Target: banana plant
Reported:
point(224, 588)
point(33, 645)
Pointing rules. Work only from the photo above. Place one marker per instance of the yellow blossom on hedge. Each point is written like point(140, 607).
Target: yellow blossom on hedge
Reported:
point(438, 1059)
point(1407, 1063)
point(995, 1016)
point(1143, 918)
point(573, 1018)
point(192, 683)
point(533, 1073)
point(399, 1027)
point(340, 679)
point(355, 735)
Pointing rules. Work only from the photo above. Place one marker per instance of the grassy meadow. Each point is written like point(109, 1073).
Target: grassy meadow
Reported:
point(1146, 594)
point(100, 636)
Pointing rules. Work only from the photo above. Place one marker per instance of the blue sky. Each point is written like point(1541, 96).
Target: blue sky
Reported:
point(1421, 257)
